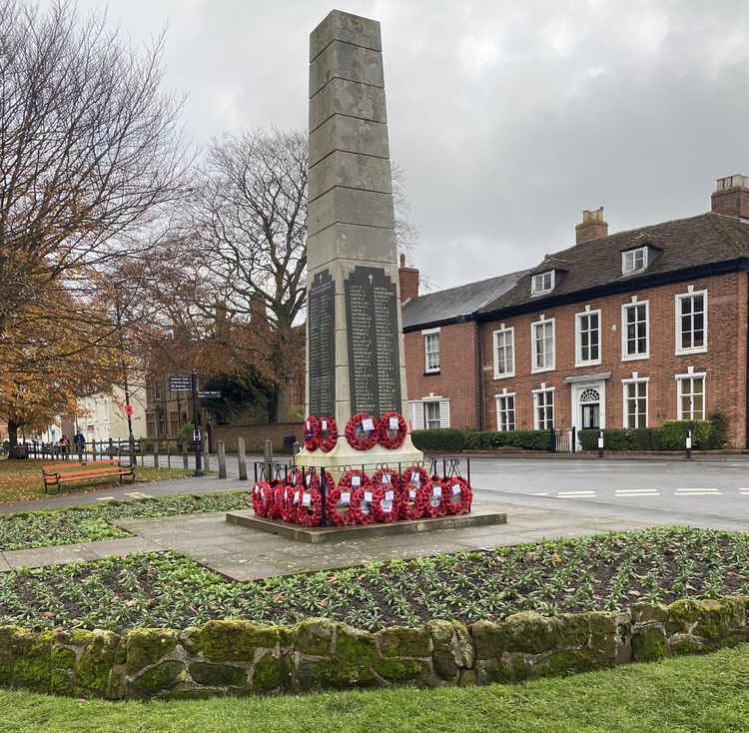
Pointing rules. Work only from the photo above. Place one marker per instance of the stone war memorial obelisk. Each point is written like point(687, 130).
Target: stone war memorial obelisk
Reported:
point(355, 357)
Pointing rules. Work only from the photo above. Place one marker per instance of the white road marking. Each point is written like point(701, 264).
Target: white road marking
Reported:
point(575, 494)
point(697, 492)
point(637, 492)
point(104, 498)
point(744, 491)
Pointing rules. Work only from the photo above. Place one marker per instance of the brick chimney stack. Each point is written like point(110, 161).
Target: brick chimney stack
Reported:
point(409, 280)
point(592, 227)
point(731, 196)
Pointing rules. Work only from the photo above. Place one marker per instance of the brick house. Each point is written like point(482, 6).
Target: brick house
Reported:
point(442, 346)
point(622, 330)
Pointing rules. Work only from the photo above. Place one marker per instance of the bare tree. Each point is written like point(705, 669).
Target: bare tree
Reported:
point(90, 150)
point(247, 222)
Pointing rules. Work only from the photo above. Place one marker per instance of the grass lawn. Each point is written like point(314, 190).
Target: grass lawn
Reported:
point(604, 572)
point(24, 530)
point(21, 480)
point(708, 694)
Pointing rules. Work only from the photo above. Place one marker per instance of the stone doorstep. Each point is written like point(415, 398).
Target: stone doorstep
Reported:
point(315, 535)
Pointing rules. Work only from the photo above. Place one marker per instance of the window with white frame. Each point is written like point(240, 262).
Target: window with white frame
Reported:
point(690, 396)
point(431, 351)
point(429, 413)
point(691, 322)
point(634, 260)
point(636, 330)
point(543, 408)
point(543, 282)
point(432, 415)
point(505, 412)
point(588, 338)
point(504, 353)
point(542, 343)
point(635, 402)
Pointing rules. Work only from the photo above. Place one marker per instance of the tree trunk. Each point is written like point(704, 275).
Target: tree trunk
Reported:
point(13, 433)
point(282, 400)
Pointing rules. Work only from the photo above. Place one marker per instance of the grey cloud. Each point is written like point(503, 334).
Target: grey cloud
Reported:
point(508, 118)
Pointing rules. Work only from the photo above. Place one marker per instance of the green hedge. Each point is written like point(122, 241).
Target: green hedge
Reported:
point(671, 436)
point(443, 440)
point(526, 439)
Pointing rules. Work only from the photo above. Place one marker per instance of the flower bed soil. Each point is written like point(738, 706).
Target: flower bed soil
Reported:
point(606, 572)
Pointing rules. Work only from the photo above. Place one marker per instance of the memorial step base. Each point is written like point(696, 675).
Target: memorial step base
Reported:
point(315, 535)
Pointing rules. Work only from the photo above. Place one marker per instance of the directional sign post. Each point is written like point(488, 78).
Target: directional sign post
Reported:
point(180, 384)
point(194, 388)
point(209, 394)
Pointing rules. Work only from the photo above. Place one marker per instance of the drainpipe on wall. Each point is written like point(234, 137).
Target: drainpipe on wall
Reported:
point(480, 376)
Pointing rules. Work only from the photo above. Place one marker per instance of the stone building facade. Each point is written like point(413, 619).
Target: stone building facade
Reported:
point(624, 330)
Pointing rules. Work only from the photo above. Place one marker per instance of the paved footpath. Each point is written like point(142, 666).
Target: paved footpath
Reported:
point(242, 554)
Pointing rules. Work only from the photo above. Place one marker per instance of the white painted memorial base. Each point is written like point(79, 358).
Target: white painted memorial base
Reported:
point(344, 455)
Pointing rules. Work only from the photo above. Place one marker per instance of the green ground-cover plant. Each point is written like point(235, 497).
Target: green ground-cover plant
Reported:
point(88, 523)
point(707, 693)
point(604, 572)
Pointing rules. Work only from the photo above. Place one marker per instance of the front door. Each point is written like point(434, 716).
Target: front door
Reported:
point(589, 405)
point(591, 416)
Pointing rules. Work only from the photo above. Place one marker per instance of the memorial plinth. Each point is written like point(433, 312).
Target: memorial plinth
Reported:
point(355, 357)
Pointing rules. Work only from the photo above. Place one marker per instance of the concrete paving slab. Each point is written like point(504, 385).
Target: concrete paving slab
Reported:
point(43, 556)
point(123, 547)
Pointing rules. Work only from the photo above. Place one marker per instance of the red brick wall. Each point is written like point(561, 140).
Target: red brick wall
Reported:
point(724, 362)
point(457, 376)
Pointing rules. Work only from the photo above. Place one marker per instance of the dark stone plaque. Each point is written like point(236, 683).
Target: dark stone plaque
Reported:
point(374, 358)
point(321, 340)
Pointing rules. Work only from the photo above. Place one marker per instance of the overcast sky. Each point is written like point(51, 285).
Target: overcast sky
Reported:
point(508, 118)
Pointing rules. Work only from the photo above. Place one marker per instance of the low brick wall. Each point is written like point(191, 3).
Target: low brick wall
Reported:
point(256, 435)
point(239, 657)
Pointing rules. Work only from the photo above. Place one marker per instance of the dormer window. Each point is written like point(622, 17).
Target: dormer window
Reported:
point(543, 282)
point(634, 260)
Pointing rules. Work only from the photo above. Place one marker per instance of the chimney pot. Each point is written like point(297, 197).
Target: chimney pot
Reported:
point(593, 226)
point(731, 196)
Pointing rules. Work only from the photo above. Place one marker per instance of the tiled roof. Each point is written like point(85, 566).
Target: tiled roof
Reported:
point(455, 303)
point(697, 241)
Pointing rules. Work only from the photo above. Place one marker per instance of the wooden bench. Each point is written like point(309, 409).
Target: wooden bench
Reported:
point(57, 474)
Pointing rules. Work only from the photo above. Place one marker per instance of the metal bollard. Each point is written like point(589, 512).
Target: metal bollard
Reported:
point(155, 453)
point(600, 443)
point(689, 445)
point(221, 450)
point(241, 459)
point(206, 456)
point(268, 459)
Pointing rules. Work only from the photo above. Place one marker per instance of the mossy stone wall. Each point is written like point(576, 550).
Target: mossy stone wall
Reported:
point(240, 658)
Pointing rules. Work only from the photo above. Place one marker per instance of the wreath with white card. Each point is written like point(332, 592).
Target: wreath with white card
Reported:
point(415, 489)
point(311, 433)
point(392, 430)
point(362, 431)
point(458, 495)
point(327, 433)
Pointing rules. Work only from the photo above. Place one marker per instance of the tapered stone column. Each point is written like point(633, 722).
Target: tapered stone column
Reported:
point(355, 357)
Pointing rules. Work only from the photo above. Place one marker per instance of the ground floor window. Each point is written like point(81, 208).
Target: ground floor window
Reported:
point(430, 413)
point(543, 409)
point(635, 403)
point(690, 393)
point(505, 412)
